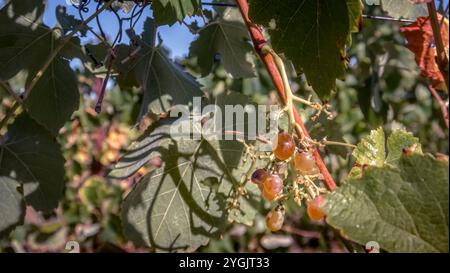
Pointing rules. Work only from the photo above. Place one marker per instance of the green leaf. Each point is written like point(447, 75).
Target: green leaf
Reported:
point(57, 89)
point(140, 152)
point(32, 10)
point(168, 12)
point(397, 142)
point(180, 205)
point(12, 205)
point(163, 82)
point(311, 33)
point(31, 156)
point(68, 22)
point(228, 36)
point(371, 150)
point(404, 9)
point(18, 44)
point(29, 48)
point(404, 209)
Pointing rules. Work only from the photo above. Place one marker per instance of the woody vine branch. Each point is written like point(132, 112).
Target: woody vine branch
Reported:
point(268, 59)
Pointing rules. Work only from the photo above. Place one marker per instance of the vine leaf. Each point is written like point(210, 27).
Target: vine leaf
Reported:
point(57, 89)
point(374, 151)
point(168, 12)
point(311, 33)
point(404, 9)
point(180, 205)
point(163, 82)
point(228, 36)
point(28, 48)
point(31, 156)
point(421, 42)
point(29, 12)
point(400, 142)
point(68, 22)
point(403, 208)
point(12, 206)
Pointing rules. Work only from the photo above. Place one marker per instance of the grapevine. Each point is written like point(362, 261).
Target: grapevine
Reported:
point(237, 126)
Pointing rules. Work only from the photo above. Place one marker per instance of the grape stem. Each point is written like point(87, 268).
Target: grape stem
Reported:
point(290, 97)
point(258, 42)
point(8, 89)
point(336, 143)
point(441, 103)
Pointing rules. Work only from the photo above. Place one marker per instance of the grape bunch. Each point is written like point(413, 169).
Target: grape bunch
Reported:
point(269, 180)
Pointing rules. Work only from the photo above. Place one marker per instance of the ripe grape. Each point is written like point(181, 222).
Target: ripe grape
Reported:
point(272, 187)
point(259, 176)
point(283, 146)
point(305, 163)
point(275, 219)
point(314, 209)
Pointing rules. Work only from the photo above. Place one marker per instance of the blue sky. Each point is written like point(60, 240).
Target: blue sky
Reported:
point(177, 38)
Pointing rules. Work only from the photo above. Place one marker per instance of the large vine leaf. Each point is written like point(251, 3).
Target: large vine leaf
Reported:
point(311, 33)
point(168, 12)
point(30, 155)
point(404, 208)
point(12, 206)
point(28, 48)
point(58, 91)
point(180, 205)
point(163, 82)
point(404, 9)
point(399, 198)
point(228, 36)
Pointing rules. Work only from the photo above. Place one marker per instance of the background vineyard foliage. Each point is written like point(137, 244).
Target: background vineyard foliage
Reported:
point(382, 87)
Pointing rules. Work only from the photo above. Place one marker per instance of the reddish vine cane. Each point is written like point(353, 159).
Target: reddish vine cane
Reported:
point(268, 60)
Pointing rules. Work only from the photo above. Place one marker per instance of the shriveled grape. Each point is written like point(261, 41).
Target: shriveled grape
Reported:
point(275, 219)
point(259, 176)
